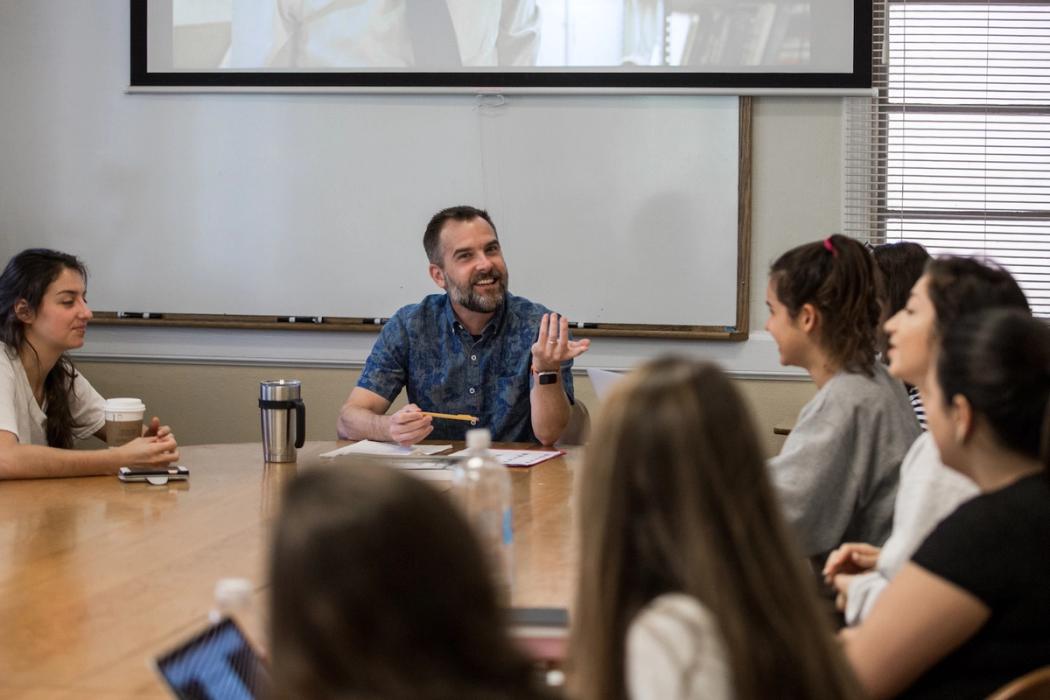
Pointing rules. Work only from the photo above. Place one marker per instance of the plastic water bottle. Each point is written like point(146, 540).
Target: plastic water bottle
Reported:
point(482, 487)
point(233, 598)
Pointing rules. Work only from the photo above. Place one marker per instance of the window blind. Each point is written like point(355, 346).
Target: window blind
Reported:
point(954, 149)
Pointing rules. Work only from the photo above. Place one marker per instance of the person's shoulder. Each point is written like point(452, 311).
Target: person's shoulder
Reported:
point(1027, 496)
point(922, 464)
point(8, 358)
point(426, 310)
point(524, 308)
point(981, 526)
point(677, 605)
point(428, 304)
point(521, 314)
point(844, 381)
point(981, 513)
point(922, 455)
point(673, 614)
point(675, 635)
point(877, 390)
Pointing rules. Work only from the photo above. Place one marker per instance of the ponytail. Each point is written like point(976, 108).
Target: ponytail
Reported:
point(1000, 361)
point(837, 276)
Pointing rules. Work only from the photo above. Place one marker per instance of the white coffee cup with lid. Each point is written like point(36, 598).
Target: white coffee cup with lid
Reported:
point(123, 420)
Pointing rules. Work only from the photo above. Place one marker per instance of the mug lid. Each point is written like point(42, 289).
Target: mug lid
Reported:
point(125, 404)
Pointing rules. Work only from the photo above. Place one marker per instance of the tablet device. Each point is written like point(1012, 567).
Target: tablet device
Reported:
point(216, 663)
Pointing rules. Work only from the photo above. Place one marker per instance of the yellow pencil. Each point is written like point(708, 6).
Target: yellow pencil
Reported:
point(451, 416)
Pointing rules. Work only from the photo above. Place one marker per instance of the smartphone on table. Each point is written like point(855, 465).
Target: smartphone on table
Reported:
point(157, 475)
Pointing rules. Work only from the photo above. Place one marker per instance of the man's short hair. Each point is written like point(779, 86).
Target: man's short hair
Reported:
point(432, 236)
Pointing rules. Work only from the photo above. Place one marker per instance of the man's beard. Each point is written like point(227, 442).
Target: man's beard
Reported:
point(470, 299)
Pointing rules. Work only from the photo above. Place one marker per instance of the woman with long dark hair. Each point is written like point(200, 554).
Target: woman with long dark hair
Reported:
point(45, 403)
point(969, 612)
point(380, 589)
point(691, 585)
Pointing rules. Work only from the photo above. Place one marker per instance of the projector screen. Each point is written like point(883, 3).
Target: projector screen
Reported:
point(576, 45)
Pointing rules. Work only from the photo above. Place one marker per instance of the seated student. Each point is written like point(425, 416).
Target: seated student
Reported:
point(691, 585)
point(950, 288)
point(969, 612)
point(44, 402)
point(476, 350)
point(899, 267)
point(379, 589)
point(836, 474)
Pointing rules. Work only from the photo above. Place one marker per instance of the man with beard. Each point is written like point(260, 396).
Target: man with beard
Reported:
point(476, 350)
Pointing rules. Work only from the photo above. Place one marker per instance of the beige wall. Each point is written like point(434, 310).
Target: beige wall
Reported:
point(217, 403)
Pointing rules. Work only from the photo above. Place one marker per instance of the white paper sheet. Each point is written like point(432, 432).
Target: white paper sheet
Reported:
point(390, 449)
point(517, 458)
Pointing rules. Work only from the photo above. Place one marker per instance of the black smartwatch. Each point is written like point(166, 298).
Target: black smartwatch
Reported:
point(547, 377)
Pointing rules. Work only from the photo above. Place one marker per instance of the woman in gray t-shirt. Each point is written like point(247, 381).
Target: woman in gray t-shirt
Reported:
point(836, 475)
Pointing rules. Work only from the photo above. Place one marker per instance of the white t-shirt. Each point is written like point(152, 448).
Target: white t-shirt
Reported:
point(675, 652)
point(20, 414)
point(928, 493)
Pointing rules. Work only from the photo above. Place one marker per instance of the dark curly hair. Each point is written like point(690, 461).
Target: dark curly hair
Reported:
point(836, 276)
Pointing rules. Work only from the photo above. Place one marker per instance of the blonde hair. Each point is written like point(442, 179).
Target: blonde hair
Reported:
point(675, 498)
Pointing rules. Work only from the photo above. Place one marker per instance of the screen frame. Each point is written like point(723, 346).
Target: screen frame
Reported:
point(859, 80)
point(161, 662)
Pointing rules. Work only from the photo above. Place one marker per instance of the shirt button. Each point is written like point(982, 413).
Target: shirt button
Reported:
point(472, 390)
point(474, 357)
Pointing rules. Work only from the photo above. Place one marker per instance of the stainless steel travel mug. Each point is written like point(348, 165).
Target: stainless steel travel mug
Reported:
point(283, 416)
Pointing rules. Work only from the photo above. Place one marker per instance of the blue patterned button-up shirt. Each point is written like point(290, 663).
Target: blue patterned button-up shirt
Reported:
point(425, 348)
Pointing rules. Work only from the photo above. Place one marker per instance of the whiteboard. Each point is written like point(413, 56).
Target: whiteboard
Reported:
point(610, 209)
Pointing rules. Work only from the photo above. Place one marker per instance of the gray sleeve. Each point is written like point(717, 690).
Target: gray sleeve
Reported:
point(812, 478)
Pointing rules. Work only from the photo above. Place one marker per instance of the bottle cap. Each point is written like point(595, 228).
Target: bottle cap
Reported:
point(233, 594)
point(479, 439)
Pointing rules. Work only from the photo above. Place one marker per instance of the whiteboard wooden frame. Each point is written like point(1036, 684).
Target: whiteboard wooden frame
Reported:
point(738, 332)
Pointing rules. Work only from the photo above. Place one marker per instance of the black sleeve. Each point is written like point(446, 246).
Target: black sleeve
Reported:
point(966, 549)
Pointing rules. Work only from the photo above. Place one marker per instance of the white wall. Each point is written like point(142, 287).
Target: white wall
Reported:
point(796, 196)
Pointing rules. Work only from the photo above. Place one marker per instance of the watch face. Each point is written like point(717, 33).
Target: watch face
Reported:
point(550, 378)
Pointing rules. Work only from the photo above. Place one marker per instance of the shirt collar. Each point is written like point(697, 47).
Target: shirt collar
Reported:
point(492, 327)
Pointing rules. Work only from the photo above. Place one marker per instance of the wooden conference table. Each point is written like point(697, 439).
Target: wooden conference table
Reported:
point(97, 576)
